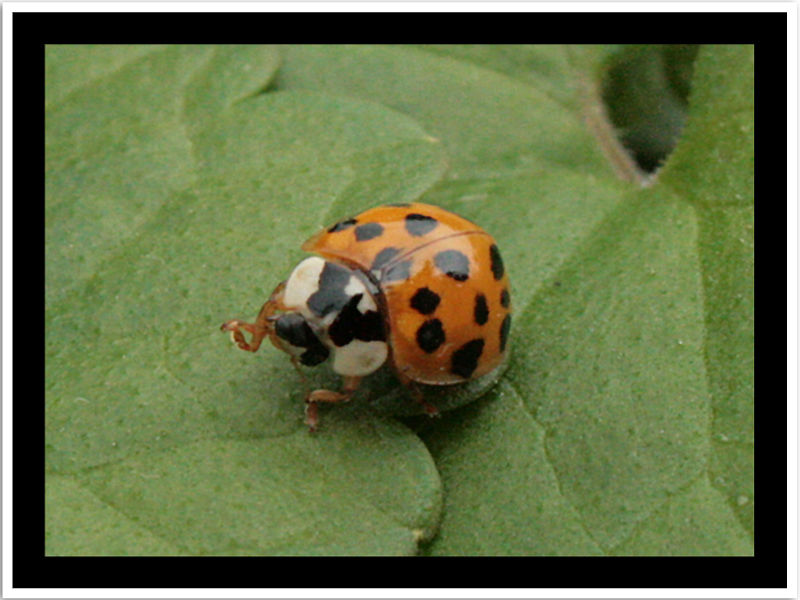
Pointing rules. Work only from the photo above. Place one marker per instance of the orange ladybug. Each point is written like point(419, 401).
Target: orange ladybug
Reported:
point(411, 284)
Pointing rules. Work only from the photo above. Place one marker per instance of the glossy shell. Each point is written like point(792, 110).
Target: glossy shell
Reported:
point(445, 292)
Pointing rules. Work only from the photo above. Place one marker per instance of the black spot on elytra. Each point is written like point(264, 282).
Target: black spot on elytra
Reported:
point(430, 335)
point(505, 329)
point(465, 359)
point(384, 257)
point(505, 299)
point(397, 272)
point(330, 294)
point(498, 268)
point(453, 263)
point(368, 231)
point(352, 324)
point(481, 310)
point(418, 225)
point(342, 225)
point(425, 301)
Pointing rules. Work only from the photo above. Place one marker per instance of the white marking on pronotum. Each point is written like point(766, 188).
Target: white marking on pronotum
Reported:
point(356, 286)
point(359, 358)
point(303, 282)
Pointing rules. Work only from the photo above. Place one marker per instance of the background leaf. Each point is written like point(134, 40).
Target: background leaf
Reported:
point(178, 193)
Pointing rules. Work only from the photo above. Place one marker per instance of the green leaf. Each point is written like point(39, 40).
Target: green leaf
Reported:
point(178, 194)
point(278, 495)
point(714, 170)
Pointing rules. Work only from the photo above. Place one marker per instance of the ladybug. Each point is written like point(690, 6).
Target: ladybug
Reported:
point(412, 284)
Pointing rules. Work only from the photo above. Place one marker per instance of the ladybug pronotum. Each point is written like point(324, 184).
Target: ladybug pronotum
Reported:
point(413, 285)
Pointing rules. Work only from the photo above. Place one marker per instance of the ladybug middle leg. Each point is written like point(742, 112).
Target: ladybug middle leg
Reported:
point(317, 396)
point(416, 393)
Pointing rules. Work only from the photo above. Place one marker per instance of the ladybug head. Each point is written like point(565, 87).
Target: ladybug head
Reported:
point(293, 334)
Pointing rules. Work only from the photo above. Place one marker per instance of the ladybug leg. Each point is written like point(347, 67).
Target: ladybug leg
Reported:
point(416, 393)
point(263, 326)
point(317, 396)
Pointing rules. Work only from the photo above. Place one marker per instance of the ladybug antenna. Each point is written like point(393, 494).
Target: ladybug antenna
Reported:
point(264, 325)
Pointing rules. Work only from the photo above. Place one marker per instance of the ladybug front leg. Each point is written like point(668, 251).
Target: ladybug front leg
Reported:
point(312, 400)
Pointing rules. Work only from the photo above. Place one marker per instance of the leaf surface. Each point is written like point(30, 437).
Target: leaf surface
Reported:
point(178, 194)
